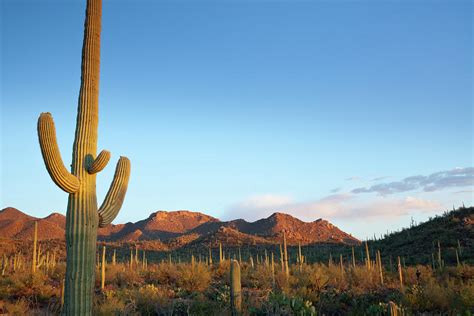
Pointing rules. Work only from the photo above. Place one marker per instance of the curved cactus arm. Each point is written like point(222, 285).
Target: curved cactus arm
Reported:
point(114, 199)
point(100, 162)
point(52, 157)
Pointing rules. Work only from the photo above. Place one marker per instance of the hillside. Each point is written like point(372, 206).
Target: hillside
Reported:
point(418, 242)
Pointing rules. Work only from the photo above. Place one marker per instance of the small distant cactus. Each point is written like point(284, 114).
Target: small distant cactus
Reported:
point(273, 270)
point(379, 266)
point(221, 255)
point(341, 264)
point(285, 253)
point(35, 240)
point(210, 255)
point(367, 254)
point(400, 274)
point(102, 272)
point(235, 288)
point(440, 261)
point(353, 258)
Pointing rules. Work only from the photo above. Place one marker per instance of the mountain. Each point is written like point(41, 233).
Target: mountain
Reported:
point(173, 230)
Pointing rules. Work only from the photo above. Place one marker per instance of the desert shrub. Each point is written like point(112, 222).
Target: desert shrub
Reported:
point(163, 274)
point(258, 277)
point(363, 280)
point(19, 308)
point(122, 277)
point(109, 303)
point(221, 272)
point(282, 304)
point(201, 306)
point(410, 275)
point(436, 297)
point(194, 280)
point(337, 278)
point(309, 282)
point(148, 299)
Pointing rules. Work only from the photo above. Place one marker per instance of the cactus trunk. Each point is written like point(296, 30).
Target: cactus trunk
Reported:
point(83, 216)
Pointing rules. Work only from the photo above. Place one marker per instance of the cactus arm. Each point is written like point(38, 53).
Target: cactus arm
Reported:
point(116, 194)
point(52, 157)
point(100, 162)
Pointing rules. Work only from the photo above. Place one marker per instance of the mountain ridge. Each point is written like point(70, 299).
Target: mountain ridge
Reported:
point(176, 229)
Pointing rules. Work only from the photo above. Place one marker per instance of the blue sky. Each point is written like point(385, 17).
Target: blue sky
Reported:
point(243, 108)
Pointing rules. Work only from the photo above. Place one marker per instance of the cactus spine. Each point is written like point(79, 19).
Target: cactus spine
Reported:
point(235, 288)
point(35, 240)
point(83, 217)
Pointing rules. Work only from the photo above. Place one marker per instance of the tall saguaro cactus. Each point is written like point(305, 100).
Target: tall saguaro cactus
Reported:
point(83, 216)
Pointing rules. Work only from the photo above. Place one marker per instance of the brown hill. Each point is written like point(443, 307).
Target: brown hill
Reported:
point(273, 227)
point(165, 225)
point(15, 224)
point(181, 228)
point(12, 222)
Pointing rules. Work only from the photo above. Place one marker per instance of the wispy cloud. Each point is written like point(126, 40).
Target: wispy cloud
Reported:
point(354, 178)
point(335, 190)
point(458, 177)
point(380, 178)
point(465, 191)
point(343, 206)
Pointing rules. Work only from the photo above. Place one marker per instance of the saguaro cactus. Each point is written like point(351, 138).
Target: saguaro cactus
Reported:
point(287, 269)
point(235, 288)
point(102, 271)
point(400, 274)
point(35, 240)
point(210, 255)
point(83, 217)
point(367, 254)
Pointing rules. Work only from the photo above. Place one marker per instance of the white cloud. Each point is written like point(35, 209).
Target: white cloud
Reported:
point(344, 206)
point(457, 177)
